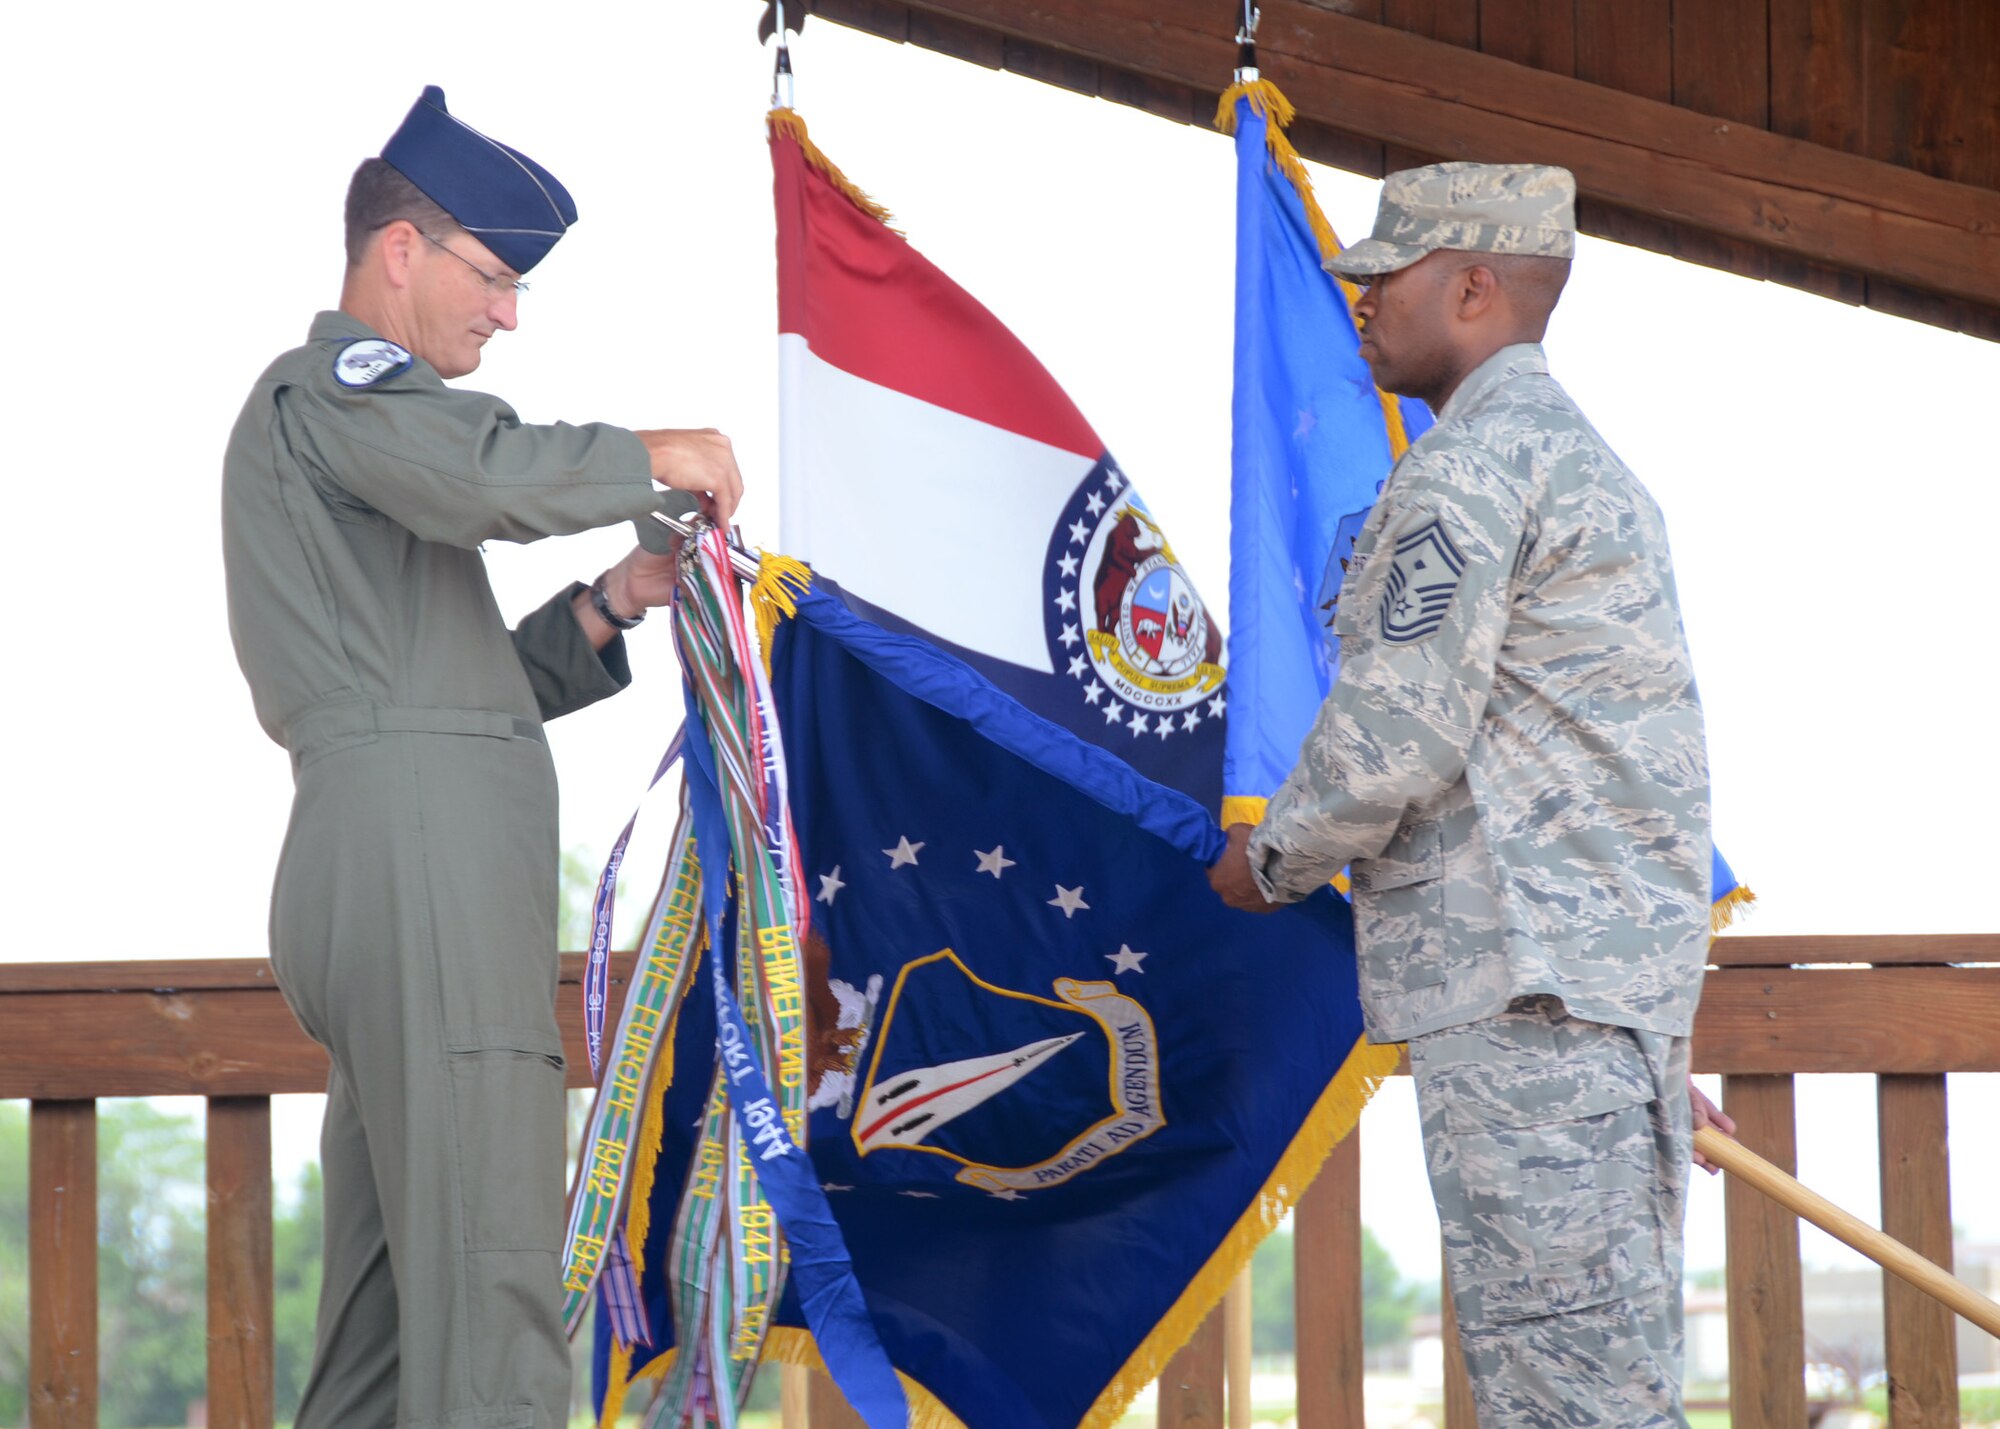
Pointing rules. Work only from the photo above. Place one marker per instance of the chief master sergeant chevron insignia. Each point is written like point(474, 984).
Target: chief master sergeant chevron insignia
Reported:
point(1423, 576)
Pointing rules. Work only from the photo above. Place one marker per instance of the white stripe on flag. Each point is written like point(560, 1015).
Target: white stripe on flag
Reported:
point(935, 517)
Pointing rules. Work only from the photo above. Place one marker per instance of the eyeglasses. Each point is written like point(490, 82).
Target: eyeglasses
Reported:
point(495, 283)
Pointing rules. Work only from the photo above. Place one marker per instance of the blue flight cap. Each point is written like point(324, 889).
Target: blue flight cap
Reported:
point(499, 195)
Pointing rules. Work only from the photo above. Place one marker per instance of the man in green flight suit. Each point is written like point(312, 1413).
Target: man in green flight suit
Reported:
point(413, 920)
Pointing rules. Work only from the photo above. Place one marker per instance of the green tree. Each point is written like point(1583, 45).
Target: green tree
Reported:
point(1387, 1300)
point(13, 1263)
point(152, 1269)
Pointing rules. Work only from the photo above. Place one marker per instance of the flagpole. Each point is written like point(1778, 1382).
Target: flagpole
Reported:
point(1885, 1250)
point(1246, 43)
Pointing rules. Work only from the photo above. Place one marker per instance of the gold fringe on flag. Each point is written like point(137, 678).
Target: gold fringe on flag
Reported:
point(1729, 907)
point(789, 1346)
point(1334, 1116)
point(1269, 102)
point(789, 123)
point(781, 580)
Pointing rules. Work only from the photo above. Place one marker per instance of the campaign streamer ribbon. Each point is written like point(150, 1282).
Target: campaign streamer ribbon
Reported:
point(751, 1176)
point(597, 1199)
point(597, 972)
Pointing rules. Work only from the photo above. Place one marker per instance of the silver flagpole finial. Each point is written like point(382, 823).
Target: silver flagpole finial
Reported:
point(1246, 43)
point(781, 68)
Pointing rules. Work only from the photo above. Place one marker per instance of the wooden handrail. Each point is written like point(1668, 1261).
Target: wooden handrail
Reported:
point(201, 1027)
point(220, 1027)
point(1740, 950)
point(1921, 1007)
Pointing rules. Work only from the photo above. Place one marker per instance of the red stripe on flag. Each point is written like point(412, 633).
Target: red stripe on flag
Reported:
point(870, 304)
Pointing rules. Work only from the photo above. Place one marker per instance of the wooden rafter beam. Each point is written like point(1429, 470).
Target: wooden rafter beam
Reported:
point(1792, 197)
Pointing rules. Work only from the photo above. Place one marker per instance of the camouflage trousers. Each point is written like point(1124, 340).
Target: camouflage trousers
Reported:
point(1559, 1153)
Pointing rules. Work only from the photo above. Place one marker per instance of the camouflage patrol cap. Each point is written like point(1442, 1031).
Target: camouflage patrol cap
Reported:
point(1472, 208)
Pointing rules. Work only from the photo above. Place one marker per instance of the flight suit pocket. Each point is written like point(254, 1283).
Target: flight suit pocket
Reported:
point(507, 1103)
point(1546, 1180)
point(1399, 925)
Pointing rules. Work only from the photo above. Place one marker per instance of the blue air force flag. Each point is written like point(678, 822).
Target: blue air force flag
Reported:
point(1312, 442)
point(1052, 1079)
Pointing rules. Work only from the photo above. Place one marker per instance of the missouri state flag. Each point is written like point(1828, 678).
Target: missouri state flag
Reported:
point(934, 473)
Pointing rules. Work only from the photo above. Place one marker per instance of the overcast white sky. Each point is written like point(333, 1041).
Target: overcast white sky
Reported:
point(173, 210)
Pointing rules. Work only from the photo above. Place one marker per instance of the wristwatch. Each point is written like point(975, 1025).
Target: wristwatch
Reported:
point(602, 605)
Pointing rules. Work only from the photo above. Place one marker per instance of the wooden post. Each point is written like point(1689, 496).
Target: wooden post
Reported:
point(240, 1367)
point(1191, 1389)
point(62, 1265)
point(827, 1407)
point(1767, 1372)
point(1238, 1343)
point(1326, 1292)
point(1921, 1335)
point(1459, 1410)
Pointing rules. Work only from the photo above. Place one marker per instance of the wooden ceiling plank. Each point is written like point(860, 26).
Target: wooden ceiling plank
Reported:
point(1061, 68)
point(1943, 68)
point(958, 39)
point(1628, 45)
point(1900, 301)
point(1343, 150)
point(1448, 77)
point(883, 18)
point(1793, 214)
point(1722, 52)
point(1158, 97)
point(1455, 22)
point(1977, 47)
point(1816, 75)
point(1538, 33)
point(1413, 93)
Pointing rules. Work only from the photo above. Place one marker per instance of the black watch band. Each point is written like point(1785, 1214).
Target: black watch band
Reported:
point(602, 605)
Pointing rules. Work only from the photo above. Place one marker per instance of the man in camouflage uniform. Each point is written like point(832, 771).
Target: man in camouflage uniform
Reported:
point(1512, 767)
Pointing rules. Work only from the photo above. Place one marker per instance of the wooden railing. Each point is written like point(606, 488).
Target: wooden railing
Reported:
point(1772, 1008)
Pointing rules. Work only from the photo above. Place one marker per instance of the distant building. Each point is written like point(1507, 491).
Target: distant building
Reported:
point(1843, 1313)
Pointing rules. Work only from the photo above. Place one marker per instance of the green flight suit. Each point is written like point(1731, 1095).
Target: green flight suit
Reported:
point(413, 920)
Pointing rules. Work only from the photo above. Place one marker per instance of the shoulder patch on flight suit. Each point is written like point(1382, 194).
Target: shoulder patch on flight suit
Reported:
point(367, 360)
point(1423, 577)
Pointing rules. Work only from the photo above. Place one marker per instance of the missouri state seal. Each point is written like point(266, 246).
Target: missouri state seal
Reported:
point(1126, 621)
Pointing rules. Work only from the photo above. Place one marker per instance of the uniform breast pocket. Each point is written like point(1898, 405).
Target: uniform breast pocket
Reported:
point(1399, 918)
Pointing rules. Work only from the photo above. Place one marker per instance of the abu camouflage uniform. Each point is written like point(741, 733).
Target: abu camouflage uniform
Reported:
point(1512, 766)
